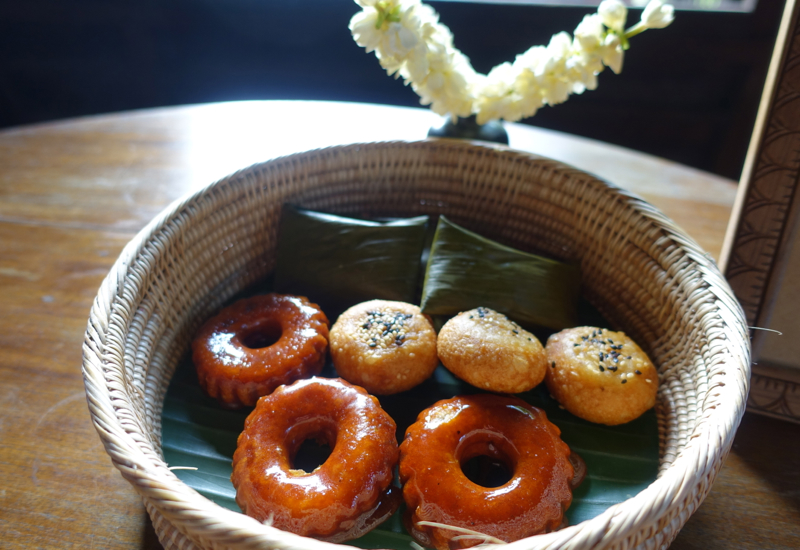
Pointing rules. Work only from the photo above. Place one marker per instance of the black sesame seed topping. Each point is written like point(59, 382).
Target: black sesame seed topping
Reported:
point(381, 325)
point(625, 381)
point(638, 372)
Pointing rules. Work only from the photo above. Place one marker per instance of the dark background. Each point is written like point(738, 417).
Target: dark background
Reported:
point(688, 92)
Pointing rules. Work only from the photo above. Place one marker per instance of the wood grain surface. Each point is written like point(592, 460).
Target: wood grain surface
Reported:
point(72, 193)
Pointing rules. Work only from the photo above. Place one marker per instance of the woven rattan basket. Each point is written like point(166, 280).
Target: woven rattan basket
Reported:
point(641, 271)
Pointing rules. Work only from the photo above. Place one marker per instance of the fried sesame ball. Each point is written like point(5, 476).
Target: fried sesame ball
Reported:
point(383, 346)
point(488, 350)
point(600, 375)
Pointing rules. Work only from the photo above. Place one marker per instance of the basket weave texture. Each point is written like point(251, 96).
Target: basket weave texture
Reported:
point(641, 271)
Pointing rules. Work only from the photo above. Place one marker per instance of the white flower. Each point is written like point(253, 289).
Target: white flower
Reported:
point(497, 98)
point(590, 33)
point(551, 72)
point(527, 85)
point(657, 14)
point(614, 14)
point(363, 27)
point(613, 53)
point(409, 42)
point(399, 40)
point(392, 28)
point(448, 84)
point(583, 76)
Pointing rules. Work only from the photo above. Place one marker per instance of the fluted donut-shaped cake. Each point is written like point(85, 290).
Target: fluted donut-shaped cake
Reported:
point(256, 344)
point(346, 496)
point(505, 429)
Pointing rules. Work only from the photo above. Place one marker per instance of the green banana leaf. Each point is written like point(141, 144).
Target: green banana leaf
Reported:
point(344, 261)
point(466, 270)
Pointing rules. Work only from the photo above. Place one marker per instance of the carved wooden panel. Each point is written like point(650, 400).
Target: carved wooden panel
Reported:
point(766, 213)
point(775, 397)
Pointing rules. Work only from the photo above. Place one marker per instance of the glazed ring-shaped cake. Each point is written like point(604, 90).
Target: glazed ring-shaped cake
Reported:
point(600, 375)
point(350, 493)
point(505, 429)
point(488, 350)
point(258, 343)
point(384, 346)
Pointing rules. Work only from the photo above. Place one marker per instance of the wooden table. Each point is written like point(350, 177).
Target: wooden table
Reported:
point(73, 193)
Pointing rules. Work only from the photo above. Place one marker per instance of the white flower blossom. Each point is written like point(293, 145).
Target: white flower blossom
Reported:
point(657, 15)
point(614, 14)
point(399, 40)
point(392, 28)
point(582, 75)
point(590, 33)
point(448, 83)
point(410, 43)
point(527, 89)
point(496, 98)
point(613, 53)
point(551, 73)
point(365, 30)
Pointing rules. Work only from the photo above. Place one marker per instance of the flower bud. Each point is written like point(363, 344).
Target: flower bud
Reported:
point(614, 14)
point(657, 14)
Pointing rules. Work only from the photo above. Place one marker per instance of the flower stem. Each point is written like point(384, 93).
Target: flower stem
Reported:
point(636, 29)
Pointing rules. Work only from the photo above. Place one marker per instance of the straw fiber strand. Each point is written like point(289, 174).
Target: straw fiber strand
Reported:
point(643, 273)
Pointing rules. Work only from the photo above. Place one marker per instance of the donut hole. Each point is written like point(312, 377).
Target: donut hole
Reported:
point(262, 336)
point(311, 442)
point(311, 454)
point(487, 471)
point(486, 458)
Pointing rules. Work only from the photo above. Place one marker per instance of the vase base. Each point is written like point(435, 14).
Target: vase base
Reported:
point(468, 128)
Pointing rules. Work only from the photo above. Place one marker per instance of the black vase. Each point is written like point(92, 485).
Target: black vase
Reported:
point(468, 128)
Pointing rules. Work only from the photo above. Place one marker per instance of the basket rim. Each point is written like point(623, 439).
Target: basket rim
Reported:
point(150, 475)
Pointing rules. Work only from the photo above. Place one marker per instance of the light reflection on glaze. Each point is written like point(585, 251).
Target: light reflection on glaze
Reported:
point(221, 345)
point(522, 410)
point(307, 310)
point(504, 489)
point(442, 415)
point(309, 483)
point(308, 333)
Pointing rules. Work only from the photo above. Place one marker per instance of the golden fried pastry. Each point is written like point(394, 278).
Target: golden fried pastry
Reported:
point(386, 347)
point(258, 343)
point(600, 375)
point(504, 429)
point(350, 493)
point(486, 349)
